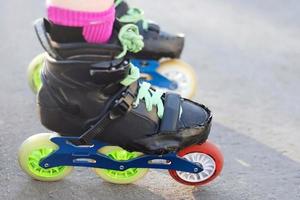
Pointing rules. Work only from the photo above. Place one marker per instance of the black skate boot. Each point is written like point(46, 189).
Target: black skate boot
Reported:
point(82, 83)
point(106, 118)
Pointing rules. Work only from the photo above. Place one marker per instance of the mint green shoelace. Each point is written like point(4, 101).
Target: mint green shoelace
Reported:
point(117, 2)
point(130, 39)
point(134, 15)
point(151, 97)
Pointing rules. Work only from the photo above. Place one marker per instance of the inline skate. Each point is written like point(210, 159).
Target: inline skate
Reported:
point(106, 118)
point(158, 61)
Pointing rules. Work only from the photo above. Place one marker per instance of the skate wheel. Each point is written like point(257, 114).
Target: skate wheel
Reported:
point(120, 177)
point(33, 150)
point(182, 74)
point(208, 156)
point(34, 72)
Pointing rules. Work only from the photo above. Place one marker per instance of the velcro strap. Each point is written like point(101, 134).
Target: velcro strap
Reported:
point(172, 106)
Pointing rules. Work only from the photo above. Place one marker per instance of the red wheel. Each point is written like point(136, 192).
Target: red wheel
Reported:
point(207, 155)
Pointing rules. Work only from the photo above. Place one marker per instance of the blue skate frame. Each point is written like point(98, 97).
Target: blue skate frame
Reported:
point(69, 154)
point(150, 67)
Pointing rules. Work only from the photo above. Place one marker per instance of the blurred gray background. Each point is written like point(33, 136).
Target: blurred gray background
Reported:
point(247, 58)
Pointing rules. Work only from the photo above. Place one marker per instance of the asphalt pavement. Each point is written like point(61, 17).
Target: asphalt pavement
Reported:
point(247, 57)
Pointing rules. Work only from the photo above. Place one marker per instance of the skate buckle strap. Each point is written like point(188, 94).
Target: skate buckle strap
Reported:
point(172, 113)
point(105, 71)
point(122, 106)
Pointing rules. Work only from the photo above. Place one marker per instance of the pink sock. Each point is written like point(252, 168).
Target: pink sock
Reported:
point(97, 26)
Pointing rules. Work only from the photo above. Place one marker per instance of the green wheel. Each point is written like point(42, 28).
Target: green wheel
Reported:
point(33, 150)
point(34, 72)
point(120, 177)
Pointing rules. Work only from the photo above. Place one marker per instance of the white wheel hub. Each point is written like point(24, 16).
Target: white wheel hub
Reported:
point(181, 79)
point(204, 160)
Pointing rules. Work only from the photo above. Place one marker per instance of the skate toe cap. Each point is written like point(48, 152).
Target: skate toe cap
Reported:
point(194, 114)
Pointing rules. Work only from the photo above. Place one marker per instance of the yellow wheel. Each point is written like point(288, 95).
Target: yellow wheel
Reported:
point(120, 177)
point(34, 72)
point(182, 74)
point(33, 150)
